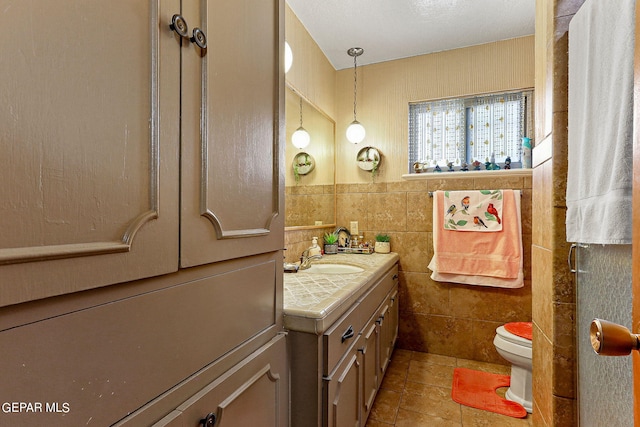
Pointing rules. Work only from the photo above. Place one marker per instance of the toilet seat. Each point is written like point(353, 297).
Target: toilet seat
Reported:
point(521, 329)
point(512, 338)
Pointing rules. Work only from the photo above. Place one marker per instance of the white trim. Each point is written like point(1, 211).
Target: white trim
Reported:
point(468, 174)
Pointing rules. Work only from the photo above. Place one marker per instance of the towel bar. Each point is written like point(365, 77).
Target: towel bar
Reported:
point(431, 193)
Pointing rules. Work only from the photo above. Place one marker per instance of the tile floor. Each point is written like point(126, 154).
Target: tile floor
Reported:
point(416, 392)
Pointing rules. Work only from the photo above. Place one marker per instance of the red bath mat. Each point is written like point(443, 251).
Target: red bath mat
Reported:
point(521, 329)
point(478, 390)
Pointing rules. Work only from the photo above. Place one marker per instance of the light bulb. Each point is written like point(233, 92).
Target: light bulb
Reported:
point(300, 138)
point(355, 132)
point(288, 57)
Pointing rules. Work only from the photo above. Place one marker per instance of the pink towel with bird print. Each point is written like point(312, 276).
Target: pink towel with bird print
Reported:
point(494, 255)
point(473, 210)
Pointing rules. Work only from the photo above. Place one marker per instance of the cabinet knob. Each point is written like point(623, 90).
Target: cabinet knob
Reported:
point(209, 420)
point(199, 38)
point(179, 25)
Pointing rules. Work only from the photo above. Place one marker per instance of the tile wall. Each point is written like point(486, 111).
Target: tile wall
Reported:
point(439, 318)
point(554, 355)
point(306, 204)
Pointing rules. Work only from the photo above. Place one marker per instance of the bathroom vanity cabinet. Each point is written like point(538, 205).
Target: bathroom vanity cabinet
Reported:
point(142, 219)
point(341, 350)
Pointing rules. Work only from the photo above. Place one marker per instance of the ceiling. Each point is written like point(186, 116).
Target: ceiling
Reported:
point(393, 29)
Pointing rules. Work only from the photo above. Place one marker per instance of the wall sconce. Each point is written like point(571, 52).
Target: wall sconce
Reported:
point(300, 138)
point(288, 57)
point(355, 131)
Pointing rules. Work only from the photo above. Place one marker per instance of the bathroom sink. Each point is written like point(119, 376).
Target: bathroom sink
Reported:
point(333, 269)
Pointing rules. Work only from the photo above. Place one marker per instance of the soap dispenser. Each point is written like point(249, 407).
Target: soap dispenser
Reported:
point(314, 249)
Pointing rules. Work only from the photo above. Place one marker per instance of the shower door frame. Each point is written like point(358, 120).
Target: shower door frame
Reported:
point(635, 251)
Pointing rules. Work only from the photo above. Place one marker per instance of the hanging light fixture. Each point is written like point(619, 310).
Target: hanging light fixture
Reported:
point(288, 57)
point(355, 131)
point(300, 138)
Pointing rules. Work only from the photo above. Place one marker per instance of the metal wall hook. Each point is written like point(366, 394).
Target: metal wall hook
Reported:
point(179, 25)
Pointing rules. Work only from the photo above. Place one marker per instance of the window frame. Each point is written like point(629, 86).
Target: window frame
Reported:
point(525, 123)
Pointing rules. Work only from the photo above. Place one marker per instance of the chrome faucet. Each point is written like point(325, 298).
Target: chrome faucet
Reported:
point(305, 259)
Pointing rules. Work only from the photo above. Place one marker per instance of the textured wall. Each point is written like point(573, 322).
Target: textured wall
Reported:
point(311, 73)
point(386, 89)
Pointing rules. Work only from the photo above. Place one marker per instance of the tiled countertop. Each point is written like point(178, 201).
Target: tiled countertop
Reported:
point(312, 301)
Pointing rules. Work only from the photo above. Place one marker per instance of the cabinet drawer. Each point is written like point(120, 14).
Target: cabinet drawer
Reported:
point(341, 336)
point(372, 299)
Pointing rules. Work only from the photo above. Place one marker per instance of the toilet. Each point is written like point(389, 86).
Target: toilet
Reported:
point(513, 342)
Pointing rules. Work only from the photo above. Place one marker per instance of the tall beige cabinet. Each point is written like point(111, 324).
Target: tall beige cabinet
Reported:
point(141, 213)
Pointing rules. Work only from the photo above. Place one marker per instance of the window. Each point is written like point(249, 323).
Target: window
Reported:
point(465, 130)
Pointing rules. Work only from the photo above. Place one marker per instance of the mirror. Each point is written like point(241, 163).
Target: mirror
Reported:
point(310, 197)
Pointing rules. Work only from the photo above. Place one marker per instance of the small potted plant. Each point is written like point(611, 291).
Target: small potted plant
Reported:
point(383, 245)
point(330, 243)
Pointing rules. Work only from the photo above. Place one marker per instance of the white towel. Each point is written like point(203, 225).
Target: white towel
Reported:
point(601, 51)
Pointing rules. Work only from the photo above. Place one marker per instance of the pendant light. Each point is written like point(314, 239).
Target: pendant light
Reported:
point(355, 131)
point(300, 138)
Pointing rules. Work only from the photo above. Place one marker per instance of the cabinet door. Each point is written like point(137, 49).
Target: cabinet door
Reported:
point(343, 391)
point(232, 112)
point(388, 322)
point(370, 355)
point(253, 393)
point(393, 320)
point(89, 133)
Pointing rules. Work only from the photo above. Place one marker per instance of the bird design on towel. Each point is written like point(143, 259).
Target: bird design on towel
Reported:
point(465, 203)
point(452, 210)
point(480, 223)
point(493, 211)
